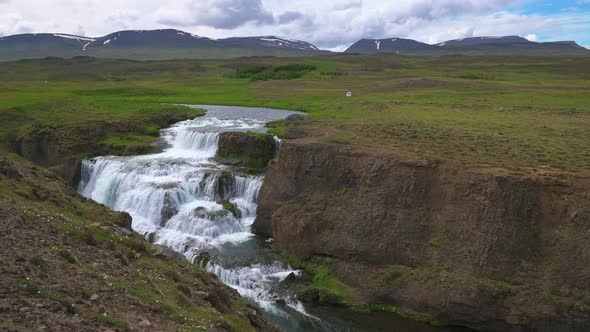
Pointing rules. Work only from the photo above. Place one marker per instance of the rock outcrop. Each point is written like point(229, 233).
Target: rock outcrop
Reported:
point(479, 248)
point(251, 150)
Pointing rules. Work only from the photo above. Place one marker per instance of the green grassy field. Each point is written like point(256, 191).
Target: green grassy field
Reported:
point(525, 114)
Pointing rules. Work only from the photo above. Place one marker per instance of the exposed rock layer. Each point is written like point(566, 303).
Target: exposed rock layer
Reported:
point(484, 249)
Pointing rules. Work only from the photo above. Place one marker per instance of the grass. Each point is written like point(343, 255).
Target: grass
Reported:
point(267, 73)
point(108, 320)
point(36, 289)
point(39, 261)
point(509, 112)
point(66, 254)
point(324, 288)
point(567, 304)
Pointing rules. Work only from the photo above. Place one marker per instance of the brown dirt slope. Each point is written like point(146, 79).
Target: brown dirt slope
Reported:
point(67, 264)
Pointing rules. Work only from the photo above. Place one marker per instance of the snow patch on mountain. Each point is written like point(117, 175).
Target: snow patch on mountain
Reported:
point(276, 41)
point(79, 38)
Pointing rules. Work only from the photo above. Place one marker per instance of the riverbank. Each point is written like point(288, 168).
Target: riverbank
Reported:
point(70, 264)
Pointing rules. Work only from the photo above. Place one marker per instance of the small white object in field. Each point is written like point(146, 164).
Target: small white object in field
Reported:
point(349, 94)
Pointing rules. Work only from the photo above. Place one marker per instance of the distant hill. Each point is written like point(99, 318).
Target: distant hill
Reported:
point(390, 45)
point(148, 44)
point(506, 45)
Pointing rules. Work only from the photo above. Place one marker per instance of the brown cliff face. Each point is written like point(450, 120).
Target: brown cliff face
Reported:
point(478, 248)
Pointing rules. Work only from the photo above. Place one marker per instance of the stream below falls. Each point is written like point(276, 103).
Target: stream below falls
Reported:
point(174, 199)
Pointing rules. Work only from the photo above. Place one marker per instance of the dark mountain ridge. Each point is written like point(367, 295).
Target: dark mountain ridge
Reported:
point(176, 44)
point(148, 44)
point(488, 45)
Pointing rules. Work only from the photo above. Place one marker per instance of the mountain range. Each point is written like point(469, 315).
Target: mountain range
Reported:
point(506, 45)
point(148, 44)
point(176, 44)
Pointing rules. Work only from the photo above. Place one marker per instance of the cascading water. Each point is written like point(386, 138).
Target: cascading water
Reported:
point(181, 199)
point(184, 200)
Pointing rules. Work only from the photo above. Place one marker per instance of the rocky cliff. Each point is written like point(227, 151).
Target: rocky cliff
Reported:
point(480, 248)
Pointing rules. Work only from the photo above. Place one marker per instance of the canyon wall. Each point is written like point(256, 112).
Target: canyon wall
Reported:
point(481, 248)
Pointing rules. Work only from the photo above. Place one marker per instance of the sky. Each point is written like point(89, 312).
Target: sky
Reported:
point(328, 24)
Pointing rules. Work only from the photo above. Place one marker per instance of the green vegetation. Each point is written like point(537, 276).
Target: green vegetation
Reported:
point(518, 113)
point(109, 320)
point(36, 289)
point(324, 287)
point(496, 288)
point(267, 73)
point(254, 154)
point(570, 303)
point(39, 261)
point(129, 144)
point(66, 254)
point(231, 207)
point(276, 128)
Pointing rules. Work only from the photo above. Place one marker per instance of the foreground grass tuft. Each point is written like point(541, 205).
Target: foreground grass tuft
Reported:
point(66, 254)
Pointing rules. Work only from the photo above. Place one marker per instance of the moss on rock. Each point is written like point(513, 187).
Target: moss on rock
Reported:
point(251, 150)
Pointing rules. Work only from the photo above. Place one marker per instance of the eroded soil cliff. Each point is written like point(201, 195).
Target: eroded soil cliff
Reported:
point(481, 248)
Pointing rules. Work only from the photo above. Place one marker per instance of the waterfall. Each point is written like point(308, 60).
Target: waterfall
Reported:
point(255, 282)
point(205, 142)
point(178, 201)
point(184, 200)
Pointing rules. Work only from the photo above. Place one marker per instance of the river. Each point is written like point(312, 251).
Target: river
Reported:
point(174, 198)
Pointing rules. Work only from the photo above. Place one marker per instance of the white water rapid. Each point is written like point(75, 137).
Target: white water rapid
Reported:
point(182, 199)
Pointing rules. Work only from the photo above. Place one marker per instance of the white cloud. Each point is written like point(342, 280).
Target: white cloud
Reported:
point(333, 24)
point(220, 14)
point(532, 37)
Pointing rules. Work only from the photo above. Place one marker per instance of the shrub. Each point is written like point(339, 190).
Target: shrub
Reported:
point(66, 254)
point(39, 261)
point(267, 73)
